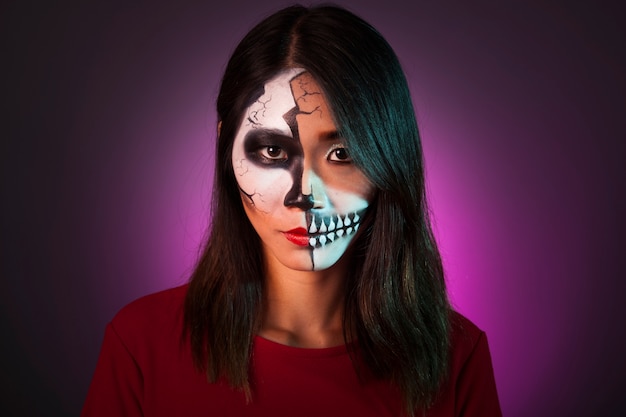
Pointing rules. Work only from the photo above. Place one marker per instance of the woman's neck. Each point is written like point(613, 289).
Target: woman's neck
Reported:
point(304, 308)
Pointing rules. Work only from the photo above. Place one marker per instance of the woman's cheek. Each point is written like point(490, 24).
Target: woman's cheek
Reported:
point(265, 189)
point(347, 201)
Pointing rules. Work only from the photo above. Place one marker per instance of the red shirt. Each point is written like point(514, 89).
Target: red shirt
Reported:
point(144, 369)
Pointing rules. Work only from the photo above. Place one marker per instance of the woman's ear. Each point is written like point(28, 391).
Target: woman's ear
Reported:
point(219, 128)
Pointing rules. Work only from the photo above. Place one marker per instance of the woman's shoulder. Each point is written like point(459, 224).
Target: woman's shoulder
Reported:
point(470, 348)
point(465, 337)
point(471, 385)
point(463, 330)
point(154, 312)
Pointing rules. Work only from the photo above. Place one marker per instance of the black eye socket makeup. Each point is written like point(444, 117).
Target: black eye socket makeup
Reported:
point(268, 148)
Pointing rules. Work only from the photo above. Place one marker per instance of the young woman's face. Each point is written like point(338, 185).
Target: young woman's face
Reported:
point(299, 187)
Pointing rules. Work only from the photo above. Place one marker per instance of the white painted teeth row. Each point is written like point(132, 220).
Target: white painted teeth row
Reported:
point(336, 222)
point(337, 227)
point(321, 240)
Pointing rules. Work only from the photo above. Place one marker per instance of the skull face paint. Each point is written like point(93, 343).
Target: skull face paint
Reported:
point(302, 193)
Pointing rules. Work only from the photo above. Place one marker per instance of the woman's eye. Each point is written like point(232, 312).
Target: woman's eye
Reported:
point(339, 155)
point(274, 153)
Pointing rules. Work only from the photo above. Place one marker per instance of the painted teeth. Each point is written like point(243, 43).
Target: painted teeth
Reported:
point(327, 229)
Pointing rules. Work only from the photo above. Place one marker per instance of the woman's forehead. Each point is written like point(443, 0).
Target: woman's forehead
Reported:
point(289, 93)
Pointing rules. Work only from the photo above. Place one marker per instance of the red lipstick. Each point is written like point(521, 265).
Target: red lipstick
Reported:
point(299, 236)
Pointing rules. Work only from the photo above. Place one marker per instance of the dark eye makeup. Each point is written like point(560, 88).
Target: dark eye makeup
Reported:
point(271, 148)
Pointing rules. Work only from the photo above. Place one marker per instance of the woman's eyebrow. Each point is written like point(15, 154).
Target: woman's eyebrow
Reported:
point(266, 134)
point(330, 135)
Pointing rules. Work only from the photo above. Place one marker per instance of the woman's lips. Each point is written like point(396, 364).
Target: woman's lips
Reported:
point(298, 236)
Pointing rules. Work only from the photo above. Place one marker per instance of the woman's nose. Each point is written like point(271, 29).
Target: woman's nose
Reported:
point(307, 191)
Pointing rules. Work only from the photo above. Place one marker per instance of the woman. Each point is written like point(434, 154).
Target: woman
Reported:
point(320, 290)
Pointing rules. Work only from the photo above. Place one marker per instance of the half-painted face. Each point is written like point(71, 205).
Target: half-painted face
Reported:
point(299, 187)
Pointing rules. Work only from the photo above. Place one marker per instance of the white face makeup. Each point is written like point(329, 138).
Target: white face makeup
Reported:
point(300, 190)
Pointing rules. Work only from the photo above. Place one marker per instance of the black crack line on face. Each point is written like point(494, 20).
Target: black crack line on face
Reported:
point(324, 230)
point(240, 168)
point(309, 220)
point(252, 202)
point(294, 196)
point(303, 97)
point(253, 115)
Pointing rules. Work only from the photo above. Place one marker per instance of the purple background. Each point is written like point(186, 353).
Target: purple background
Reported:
point(107, 142)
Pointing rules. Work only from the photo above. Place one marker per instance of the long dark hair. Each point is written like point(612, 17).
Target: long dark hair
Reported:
point(396, 306)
